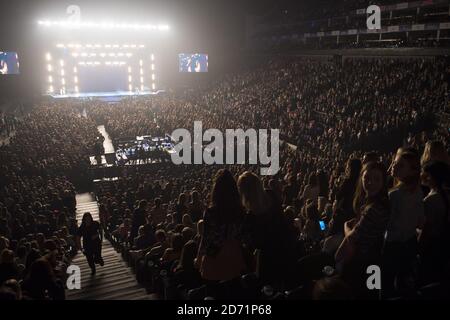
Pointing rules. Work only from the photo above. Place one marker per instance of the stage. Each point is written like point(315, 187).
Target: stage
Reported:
point(140, 150)
point(105, 94)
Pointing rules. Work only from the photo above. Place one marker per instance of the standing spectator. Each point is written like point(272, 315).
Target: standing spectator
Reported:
point(363, 242)
point(435, 236)
point(138, 219)
point(266, 222)
point(220, 253)
point(435, 150)
point(196, 207)
point(158, 214)
point(407, 214)
point(181, 208)
point(8, 267)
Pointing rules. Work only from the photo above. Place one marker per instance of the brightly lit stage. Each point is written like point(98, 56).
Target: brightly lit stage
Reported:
point(79, 70)
point(111, 94)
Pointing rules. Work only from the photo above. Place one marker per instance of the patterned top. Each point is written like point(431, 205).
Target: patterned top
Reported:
point(369, 231)
point(215, 233)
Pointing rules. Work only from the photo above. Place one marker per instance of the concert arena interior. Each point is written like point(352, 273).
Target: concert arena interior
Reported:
point(248, 151)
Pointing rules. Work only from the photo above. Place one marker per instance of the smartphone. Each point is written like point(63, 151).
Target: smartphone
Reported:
point(322, 225)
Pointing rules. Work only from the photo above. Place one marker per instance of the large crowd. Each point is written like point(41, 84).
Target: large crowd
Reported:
point(282, 29)
point(364, 181)
point(40, 166)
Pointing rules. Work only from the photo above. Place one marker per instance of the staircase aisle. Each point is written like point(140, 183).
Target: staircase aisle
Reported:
point(113, 281)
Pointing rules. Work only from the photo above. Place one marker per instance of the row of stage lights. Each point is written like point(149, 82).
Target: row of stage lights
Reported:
point(102, 54)
point(103, 25)
point(96, 63)
point(100, 46)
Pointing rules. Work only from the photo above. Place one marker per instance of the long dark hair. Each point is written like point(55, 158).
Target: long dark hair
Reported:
point(225, 197)
point(86, 215)
point(352, 169)
point(360, 199)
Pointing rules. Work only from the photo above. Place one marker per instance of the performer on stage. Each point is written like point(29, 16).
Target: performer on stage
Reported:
point(3, 67)
point(92, 235)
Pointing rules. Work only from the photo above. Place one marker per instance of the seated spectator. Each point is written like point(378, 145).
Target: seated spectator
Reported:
point(21, 258)
point(123, 231)
point(32, 256)
point(187, 234)
point(196, 207)
point(143, 242)
point(185, 273)
point(4, 243)
point(7, 294)
point(161, 244)
point(290, 217)
point(200, 229)
point(8, 267)
point(181, 208)
point(41, 283)
point(14, 286)
point(344, 197)
point(173, 252)
point(311, 229)
point(158, 214)
point(69, 239)
point(187, 221)
point(332, 288)
point(145, 239)
point(312, 189)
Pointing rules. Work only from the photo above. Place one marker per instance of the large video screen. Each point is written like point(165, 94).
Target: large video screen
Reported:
point(193, 62)
point(9, 63)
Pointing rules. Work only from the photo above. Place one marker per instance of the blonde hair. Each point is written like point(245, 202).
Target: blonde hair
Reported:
point(434, 150)
point(252, 192)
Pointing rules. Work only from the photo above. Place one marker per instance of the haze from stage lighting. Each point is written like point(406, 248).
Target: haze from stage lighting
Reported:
point(103, 25)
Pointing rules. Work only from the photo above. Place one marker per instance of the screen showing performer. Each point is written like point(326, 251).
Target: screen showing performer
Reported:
point(9, 63)
point(195, 62)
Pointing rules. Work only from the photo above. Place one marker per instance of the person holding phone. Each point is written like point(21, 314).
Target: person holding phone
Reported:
point(322, 225)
